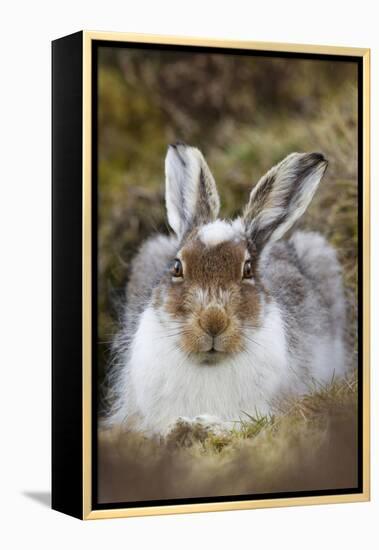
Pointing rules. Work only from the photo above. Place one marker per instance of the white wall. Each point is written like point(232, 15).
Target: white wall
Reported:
point(26, 31)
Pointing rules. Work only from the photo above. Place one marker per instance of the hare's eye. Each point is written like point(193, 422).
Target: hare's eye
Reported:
point(177, 268)
point(247, 270)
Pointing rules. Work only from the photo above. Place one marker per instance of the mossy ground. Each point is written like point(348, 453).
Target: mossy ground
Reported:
point(309, 444)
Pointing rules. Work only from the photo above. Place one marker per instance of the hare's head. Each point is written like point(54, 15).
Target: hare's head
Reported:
point(211, 293)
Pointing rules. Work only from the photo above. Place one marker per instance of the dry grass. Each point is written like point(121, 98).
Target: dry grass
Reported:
point(311, 443)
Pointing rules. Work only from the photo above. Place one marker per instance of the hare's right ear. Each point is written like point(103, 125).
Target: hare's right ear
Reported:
point(191, 194)
point(282, 195)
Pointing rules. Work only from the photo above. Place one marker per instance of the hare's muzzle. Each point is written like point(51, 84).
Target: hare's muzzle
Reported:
point(213, 320)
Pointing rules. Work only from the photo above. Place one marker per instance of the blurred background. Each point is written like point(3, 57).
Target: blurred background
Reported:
point(245, 114)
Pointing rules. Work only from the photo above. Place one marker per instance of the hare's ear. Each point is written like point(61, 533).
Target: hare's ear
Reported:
point(282, 195)
point(191, 193)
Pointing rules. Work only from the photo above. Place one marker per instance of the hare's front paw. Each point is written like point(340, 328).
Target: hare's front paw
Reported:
point(185, 431)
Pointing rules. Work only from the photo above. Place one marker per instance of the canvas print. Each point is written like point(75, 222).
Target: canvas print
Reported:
point(228, 309)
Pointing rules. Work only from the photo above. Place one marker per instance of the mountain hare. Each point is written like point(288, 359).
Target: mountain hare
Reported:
point(223, 318)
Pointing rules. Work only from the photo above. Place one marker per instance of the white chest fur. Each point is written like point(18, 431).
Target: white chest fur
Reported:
point(162, 384)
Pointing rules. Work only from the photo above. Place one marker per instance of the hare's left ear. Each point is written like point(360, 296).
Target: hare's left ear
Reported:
point(282, 195)
point(191, 194)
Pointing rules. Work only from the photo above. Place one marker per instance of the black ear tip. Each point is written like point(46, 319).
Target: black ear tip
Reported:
point(179, 150)
point(178, 144)
point(318, 158)
point(310, 162)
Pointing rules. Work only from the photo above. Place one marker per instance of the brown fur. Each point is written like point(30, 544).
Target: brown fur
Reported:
point(212, 299)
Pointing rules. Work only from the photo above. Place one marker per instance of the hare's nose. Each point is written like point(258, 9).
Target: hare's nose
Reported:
point(213, 320)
